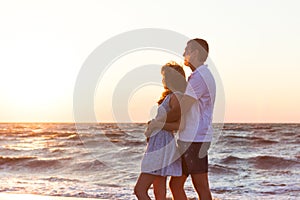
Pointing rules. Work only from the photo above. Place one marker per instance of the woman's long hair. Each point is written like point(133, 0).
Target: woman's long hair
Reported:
point(173, 79)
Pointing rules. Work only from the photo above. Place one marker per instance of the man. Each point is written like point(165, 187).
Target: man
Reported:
point(196, 130)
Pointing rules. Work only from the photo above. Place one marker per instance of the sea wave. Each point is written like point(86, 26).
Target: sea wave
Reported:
point(221, 169)
point(89, 165)
point(5, 161)
point(59, 179)
point(32, 163)
point(248, 139)
point(262, 162)
point(273, 162)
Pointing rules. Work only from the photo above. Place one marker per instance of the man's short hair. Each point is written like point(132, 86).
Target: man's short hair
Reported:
point(202, 46)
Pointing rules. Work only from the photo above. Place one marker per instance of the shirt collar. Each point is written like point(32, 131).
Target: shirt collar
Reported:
point(198, 69)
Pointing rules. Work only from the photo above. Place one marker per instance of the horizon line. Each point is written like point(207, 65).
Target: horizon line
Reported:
point(113, 122)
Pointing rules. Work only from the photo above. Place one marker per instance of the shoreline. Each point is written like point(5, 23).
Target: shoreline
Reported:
point(12, 196)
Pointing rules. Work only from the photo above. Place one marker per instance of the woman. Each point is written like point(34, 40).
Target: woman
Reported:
point(161, 158)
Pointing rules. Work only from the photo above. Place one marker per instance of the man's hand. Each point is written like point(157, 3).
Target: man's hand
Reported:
point(155, 125)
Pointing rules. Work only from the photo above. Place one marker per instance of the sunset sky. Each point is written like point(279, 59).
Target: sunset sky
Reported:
point(254, 45)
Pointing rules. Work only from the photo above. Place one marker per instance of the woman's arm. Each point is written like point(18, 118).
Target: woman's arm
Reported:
point(180, 108)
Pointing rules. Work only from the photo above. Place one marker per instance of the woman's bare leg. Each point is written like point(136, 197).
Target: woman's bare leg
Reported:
point(143, 184)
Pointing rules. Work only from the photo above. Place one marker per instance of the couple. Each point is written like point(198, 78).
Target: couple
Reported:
point(186, 108)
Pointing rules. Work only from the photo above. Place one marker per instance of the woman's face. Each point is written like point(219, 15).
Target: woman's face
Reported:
point(172, 79)
point(163, 73)
point(168, 78)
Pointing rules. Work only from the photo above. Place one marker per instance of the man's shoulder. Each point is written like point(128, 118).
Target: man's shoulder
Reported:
point(206, 74)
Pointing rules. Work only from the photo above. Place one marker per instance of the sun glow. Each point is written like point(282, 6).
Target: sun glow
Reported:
point(44, 44)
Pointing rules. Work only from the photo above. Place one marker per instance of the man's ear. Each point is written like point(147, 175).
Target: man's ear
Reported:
point(196, 52)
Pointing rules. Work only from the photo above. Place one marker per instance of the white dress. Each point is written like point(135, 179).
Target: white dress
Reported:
point(162, 156)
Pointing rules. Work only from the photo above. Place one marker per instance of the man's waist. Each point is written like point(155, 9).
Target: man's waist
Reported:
point(195, 137)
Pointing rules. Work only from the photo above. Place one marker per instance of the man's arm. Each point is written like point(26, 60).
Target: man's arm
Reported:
point(175, 116)
point(179, 108)
point(171, 126)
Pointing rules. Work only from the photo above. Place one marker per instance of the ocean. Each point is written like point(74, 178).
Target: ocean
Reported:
point(246, 161)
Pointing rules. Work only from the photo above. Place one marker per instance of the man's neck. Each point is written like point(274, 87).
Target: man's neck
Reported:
point(197, 64)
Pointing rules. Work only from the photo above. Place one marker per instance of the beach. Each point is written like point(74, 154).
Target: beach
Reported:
point(6, 196)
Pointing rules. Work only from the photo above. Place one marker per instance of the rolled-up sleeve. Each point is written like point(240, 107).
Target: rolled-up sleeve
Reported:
point(196, 86)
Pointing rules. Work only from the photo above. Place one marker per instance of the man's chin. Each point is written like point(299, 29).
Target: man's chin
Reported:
point(186, 63)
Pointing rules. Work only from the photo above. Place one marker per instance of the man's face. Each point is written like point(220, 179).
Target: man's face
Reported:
point(187, 55)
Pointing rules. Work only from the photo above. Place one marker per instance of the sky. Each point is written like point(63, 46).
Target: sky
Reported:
point(254, 46)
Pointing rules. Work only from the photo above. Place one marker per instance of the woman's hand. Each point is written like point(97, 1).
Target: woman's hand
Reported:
point(147, 132)
point(154, 124)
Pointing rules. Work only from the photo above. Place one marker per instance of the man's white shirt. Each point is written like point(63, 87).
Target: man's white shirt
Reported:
point(198, 120)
